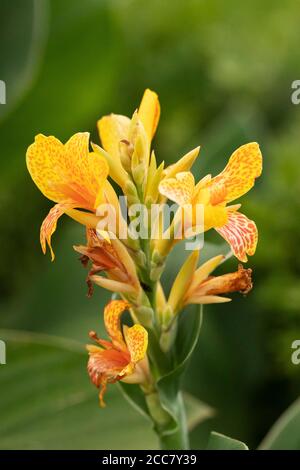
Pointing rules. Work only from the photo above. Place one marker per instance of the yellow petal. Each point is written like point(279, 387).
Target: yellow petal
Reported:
point(238, 177)
point(49, 224)
point(88, 170)
point(183, 164)
point(205, 270)
point(136, 339)
point(116, 170)
point(67, 172)
point(149, 112)
point(113, 129)
point(126, 259)
point(182, 281)
point(160, 298)
point(179, 189)
point(112, 321)
point(46, 164)
point(214, 216)
point(85, 218)
point(208, 299)
point(112, 285)
point(153, 181)
point(241, 234)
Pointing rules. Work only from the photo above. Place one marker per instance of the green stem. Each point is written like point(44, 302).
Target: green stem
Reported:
point(169, 438)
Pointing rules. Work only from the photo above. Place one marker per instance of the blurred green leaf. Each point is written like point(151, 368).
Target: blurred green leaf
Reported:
point(47, 401)
point(196, 411)
point(220, 442)
point(23, 33)
point(285, 434)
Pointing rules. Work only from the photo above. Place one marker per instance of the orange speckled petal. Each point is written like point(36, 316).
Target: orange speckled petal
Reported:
point(49, 224)
point(238, 177)
point(241, 234)
point(46, 164)
point(104, 367)
point(136, 339)
point(87, 171)
point(67, 172)
point(149, 112)
point(179, 189)
point(112, 321)
point(112, 129)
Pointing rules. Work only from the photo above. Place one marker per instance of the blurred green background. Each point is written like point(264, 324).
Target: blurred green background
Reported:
point(223, 72)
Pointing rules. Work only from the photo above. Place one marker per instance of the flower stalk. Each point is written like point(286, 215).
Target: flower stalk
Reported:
point(149, 348)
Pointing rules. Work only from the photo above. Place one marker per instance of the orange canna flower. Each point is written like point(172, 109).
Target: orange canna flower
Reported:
point(207, 289)
point(113, 259)
point(67, 174)
point(123, 357)
point(238, 177)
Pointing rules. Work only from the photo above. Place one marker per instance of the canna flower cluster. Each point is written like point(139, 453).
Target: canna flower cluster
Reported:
point(79, 176)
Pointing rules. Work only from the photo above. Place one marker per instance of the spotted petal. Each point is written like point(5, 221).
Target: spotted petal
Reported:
point(179, 189)
point(106, 366)
point(49, 224)
point(112, 321)
point(238, 177)
point(136, 339)
point(241, 234)
point(67, 172)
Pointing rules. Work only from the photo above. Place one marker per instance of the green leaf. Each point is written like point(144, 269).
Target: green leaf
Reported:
point(220, 442)
point(23, 32)
point(285, 433)
point(196, 411)
point(48, 402)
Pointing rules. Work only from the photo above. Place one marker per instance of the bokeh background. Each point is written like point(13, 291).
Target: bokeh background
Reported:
point(223, 72)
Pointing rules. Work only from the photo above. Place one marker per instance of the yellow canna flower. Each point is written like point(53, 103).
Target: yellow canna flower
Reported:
point(123, 357)
point(207, 289)
point(126, 142)
point(67, 174)
point(236, 179)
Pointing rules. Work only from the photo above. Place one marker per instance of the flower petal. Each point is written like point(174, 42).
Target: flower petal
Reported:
point(47, 167)
point(112, 285)
point(238, 177)
point(183, 281)
point(241, 234)
point(112, 129)
point(67, 172)
point(104, 367)
point(112, 321)
point(149, 112)
point(136, 339)
point(179, 189)
point(49, 224)
point(202, 273)
point(183, 164)
point(208, 299)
